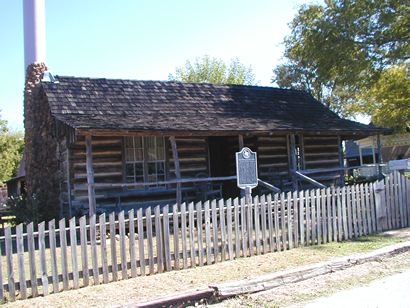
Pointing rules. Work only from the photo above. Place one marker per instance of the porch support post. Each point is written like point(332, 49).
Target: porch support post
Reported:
point(360, 156)
point(240, 141)
point(341, 161)
point(379, 157)
point(293, 161)
point(90, 175)
point(177, 168)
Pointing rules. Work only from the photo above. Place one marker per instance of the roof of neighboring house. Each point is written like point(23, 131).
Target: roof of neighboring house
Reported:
point(91, 103)
point(352, 150)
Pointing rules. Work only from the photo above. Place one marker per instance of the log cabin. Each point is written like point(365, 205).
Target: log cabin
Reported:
point(97, 145)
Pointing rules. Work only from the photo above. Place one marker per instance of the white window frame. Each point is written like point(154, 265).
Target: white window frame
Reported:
point(146, 176)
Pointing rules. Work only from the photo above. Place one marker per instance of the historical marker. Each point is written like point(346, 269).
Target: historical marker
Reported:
point(246, 171)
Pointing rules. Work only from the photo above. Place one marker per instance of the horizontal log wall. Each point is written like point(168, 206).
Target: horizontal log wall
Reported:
point(322, 152)
point(273, 160)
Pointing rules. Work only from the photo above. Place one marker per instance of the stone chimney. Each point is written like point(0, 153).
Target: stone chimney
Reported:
point(39, 146)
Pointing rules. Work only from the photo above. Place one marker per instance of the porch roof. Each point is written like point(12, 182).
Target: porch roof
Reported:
point(134, 105)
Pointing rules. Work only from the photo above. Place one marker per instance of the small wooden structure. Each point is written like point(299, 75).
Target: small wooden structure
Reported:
point(121, 144)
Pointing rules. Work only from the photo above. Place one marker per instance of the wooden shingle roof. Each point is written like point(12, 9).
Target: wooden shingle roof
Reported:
point(91, 103)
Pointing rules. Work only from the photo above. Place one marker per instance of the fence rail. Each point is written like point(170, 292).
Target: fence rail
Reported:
point(53, 257)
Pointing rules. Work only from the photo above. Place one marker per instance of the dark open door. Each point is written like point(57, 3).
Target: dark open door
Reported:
point(222, 161)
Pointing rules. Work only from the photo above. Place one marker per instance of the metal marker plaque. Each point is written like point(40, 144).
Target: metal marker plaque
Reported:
point(246, 169)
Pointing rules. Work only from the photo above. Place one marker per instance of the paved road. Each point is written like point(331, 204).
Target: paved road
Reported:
point(392, 291)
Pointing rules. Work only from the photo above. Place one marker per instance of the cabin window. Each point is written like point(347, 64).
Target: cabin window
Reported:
point(144, 159)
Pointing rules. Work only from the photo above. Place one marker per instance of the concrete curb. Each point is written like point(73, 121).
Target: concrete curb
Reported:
point(270, 281)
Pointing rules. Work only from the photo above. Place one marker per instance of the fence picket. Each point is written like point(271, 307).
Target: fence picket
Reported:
point(192, 234)
point(207, 233)
point(123, 248)
point(354, 211)
point(32, 261)
point(229, 226)
point(63, 249)
point(324, 214)
point(313, 217)
point(349, 212)
point(359, 209)
point(364, 210)
point(73, 246)
point(184, 236)
point(289, 206)
point(20, 261)
point(276, 221)
point(249, 224)
point(308, 222)
point(344, 215)
point(84, 254)
point(395, 202)
point(113, 243)
point(94, 258)
point(244, 230)
point(270, 223)
point(404, 201)
point(296, 219)
point(1, 277)
point(167, 238)
point(237, 229)
point(368, 209)
point(43, 262)
point(408, 200)
point(103, 236)
point(389, 213)
point(53, 254)
point(329, 215)
point(9, 258)
point(339, 215)
point(215, 241)
point(159, 241)
point(150, 239)
point(263, 223)
point(141, 252)
point(199, 226)
point(131, 241)
point(319, 217)
point(302, 218)
point(372, 208)
point(222, 228)
point(334, 214)
point(257, 224)
point(400, 199)
point(283, 221)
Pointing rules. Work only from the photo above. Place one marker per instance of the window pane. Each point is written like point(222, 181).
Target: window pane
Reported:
point(129, 170)
point(139, 155)
point(139, 169)
point(138, 142)
point(151, 149)
point(160, 148)
point(160, 167)
point(128, 142)
point(129, 155)
point(152, 169)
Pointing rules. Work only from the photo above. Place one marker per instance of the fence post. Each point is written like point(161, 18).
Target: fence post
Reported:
point(380, 202)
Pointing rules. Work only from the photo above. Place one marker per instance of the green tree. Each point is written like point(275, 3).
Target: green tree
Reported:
point(11, 149)
point(339, 50)
point(388, 99)
point(213, 70)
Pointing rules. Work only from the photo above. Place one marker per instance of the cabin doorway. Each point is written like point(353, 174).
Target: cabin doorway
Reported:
point(222, 162)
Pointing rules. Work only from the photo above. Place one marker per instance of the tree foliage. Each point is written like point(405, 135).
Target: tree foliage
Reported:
point(388, 99)
point(213, 70)
point(11, 149)
point(339, 50)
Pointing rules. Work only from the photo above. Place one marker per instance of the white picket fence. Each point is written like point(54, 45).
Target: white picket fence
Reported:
point(49, 258)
